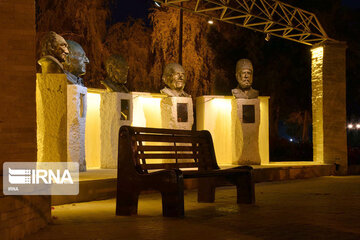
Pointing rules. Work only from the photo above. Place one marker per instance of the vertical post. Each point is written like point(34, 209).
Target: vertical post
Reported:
point(329, 104)
point(181, 16)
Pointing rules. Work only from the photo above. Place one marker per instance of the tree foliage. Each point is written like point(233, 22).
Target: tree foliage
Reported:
point(197, 55)
point(81, 21)
point(132, 40)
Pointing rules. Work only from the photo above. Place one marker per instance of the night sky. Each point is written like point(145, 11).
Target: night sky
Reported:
point(140, 8)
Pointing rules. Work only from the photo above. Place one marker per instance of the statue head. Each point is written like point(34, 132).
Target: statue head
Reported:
point(174, 76)
point(244, 73)
point(117, 69)
point(54, 45)
point(76, 60)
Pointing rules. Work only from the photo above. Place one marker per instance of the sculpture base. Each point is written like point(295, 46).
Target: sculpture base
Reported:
point(115, 111)
point(177, 113)
point(51, 117)
point(215, 114)
point(76, 120)
point(245, 123)
point(61, 118)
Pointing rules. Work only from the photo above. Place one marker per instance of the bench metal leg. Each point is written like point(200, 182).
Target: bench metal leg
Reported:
point(245, 189)
point(173, 203)
point(126, 203)
point(206, 192)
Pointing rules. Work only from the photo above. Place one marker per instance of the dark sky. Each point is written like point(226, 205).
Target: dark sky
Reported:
point(139, 8)
point(121, 9)
point(352, 3)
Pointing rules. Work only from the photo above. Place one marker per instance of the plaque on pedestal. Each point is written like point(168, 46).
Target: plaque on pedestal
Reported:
point(245, 131)
point(76, 120)
point(177, 113)
point(116, 109)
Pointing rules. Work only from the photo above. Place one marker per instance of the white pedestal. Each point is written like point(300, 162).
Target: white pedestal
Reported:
point(114, 112)
point(177, 113)
point(215, 114)
point(245, 122)
point(61, 119)
point(51, 117)
point(76, 121)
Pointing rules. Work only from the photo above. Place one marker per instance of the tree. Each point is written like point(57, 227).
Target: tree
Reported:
point(197, 55)
point(81, 21)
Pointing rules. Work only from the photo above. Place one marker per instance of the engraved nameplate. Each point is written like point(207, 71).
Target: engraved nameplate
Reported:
point(182, 112)
point(248, 113)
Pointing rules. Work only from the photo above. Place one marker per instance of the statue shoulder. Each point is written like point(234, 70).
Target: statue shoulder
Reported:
point(253, 93)
point(49, 64)
point(238, 93)
point(167, 91)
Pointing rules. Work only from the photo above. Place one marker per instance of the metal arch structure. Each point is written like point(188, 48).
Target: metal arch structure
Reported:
point(268, 16)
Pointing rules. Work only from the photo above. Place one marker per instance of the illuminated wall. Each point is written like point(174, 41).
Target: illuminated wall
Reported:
point(329, 104)
point(317, 103)
point(92, 130)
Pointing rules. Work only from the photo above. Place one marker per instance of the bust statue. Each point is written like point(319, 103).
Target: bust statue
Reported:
point(117, 72)
point(244, 76)
point(54, 50)
point(75, 65)
point(174, 78)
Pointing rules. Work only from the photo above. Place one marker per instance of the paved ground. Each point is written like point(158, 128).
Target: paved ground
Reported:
point(320, 208)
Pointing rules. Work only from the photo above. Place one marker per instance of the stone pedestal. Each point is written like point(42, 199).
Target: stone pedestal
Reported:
point(245, 122)
point(116, 109)
point(61, 118)
point(51, 117)
point(219, 115)
point(177, 113)
point(76, 121)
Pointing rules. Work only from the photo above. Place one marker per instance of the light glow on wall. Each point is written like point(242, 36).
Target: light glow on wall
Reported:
point(92, 131)
point(317, 64)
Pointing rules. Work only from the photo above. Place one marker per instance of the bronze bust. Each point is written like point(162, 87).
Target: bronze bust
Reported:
point(244, 76)
point(54, 50)
point(174, 77)
point(75, 65)
point(117, 70)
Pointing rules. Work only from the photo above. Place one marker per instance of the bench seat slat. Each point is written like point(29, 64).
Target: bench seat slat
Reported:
point(169, 138)
point(167, 156)
point(214, 173)
point(167, 148)
point(163, 131)
point(150, 166)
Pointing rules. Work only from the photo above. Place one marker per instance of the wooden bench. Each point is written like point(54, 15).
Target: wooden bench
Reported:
point(180, 150)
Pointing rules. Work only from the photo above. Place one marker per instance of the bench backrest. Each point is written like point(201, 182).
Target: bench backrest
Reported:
point(153, 148)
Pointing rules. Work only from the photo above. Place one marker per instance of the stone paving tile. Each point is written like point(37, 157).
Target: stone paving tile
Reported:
point(319, 208)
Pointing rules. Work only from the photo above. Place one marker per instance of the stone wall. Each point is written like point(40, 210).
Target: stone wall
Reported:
point(22, 214)
point(17, 81)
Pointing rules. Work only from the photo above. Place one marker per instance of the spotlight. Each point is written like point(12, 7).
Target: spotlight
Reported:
point(267, 37)
point(357, 126)
point(350, 126)
point(157, 4)
point(211, 22)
